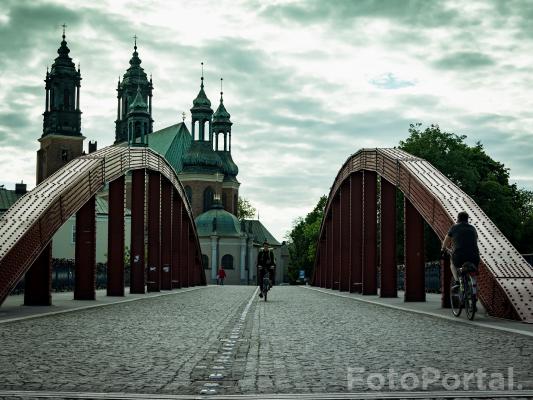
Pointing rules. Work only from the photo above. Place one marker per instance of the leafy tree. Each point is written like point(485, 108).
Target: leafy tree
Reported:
point(302, 240)
point(481, 177)
point(245, 210)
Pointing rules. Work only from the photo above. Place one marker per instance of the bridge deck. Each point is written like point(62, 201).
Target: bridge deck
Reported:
point(300, 341)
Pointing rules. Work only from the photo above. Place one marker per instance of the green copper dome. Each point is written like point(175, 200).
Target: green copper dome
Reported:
point(201, 158)
point(201, 101)
point(228, 165)
point(217, 221)
point(63, 64)
point(221, 115)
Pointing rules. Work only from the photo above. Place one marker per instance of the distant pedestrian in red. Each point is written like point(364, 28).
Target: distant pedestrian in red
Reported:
point(221, 276)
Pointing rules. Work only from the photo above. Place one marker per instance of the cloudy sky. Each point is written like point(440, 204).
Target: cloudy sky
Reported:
point(307, 83)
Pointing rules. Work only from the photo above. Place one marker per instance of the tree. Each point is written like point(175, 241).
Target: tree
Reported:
point(302, 241)
point(245, 210)
point(481, 177)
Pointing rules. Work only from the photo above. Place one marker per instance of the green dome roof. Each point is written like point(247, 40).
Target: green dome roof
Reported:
point(217, 221)
point(201, 156)
point(201, 101)
point(221, 114)
point(228, 165)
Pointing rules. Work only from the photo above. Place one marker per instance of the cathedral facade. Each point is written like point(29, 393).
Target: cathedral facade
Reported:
point(201, 157)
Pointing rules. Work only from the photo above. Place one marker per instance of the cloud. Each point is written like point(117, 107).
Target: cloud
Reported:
point(464, 61)
point(307, 82)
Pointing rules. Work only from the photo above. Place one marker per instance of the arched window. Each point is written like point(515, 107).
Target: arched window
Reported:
point(208, 198)
point(188, 192)
point(236, 204)
point(205, 261)
point(227, 261)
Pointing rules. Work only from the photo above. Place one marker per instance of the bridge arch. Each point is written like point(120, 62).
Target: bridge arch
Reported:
point(347, 255)
point(27, 228)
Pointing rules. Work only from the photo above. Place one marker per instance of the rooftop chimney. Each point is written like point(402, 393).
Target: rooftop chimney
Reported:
point(92, 146)
point(20, 188)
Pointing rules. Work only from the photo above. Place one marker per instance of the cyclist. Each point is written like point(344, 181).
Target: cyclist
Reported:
point(265, 260)
point(464, 239)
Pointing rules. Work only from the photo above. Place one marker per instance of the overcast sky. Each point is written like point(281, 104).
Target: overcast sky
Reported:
point(307, 83)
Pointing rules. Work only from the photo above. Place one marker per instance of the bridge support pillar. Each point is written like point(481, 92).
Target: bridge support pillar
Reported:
point(153, 276)
point(85, 252)
point(329, 252)
point(414, 254)
point(369, 232)
point(115, 239)
point(320, 274)
point(166, 234)
point(137, 232)
point(185, 250)
point(176, 240)
point(356, 232)
point(345, 237)
point(38, 280)
point(388, 240)
point(191, 278)
point(336, 271)
point(445, 278)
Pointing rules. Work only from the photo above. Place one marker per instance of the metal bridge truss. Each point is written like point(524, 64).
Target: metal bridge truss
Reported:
point(348, 254)
point(27, 228)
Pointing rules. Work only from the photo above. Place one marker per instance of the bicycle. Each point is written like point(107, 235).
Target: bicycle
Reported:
point(265, 286)
point(463, 294)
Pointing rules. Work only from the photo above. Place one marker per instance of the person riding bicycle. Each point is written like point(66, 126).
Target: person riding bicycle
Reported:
point(463, 236)
point(265, 261)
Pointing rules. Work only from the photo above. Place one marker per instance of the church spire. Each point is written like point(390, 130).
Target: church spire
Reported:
point(135, 78)
point(201, 112)
point(62, 115)
point(222, 123)
point(61, 140)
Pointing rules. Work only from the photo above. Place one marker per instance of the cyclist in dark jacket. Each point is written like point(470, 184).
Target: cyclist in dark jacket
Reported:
point(463, 236)
point(265, 260)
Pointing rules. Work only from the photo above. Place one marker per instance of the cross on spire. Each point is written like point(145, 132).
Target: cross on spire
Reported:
point(202, 78)
point(135, 42)
point(64, 26)
point(183, 116)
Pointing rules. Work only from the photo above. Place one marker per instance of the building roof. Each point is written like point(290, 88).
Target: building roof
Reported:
point(217, 221)
point(259, 232)
point(172, 142)
point(8, 198)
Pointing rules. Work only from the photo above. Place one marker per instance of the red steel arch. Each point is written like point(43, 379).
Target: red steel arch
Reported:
point(29, 225)
point(505, 278)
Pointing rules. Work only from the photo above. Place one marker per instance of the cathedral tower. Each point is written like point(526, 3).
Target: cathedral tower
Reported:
point(134, 83)
point(222, 127)
point(61, 140)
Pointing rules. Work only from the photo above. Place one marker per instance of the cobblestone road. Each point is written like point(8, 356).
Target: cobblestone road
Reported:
point(215, 340)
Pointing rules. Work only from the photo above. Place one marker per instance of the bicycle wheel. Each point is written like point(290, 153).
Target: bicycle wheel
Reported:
point(470, 298)
point(265, 292)
point(455, 298)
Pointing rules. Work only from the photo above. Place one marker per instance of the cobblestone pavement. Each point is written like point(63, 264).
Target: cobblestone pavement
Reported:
point(223, 340)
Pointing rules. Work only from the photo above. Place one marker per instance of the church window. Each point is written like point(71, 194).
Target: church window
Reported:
point(225, 201)
point(208, 198)
point(205, 261)
point(188, 192)
point(235, 203)
point(227, 261)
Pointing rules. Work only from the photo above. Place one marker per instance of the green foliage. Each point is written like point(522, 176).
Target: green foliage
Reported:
point(481, 177)
point(302, 240)
point(245, 210)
